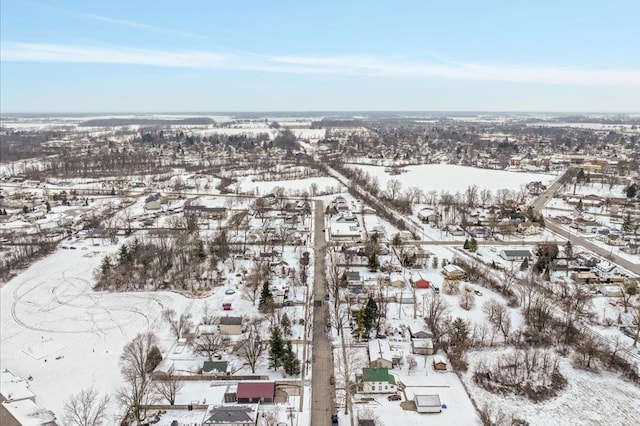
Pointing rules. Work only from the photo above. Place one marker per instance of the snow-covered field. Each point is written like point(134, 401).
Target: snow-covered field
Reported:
point(454, 178)
point(324, 184)
point(589, 399)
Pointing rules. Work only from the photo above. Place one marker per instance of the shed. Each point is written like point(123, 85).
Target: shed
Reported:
point(453, 272)
point(611, 291)
point(422, 346)
point(419, 282)
point(428, 403)
point(439, 363)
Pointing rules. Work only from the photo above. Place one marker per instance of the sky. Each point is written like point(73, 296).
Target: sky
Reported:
point(188, 56)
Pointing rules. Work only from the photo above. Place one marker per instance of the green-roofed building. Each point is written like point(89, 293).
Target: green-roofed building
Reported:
point(376, 380)
point(214, 367)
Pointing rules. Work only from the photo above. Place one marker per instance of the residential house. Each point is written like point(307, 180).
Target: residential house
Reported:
point(18, 404)
point(428, 403)
point(615, 240)
point(453, 272)
point(631, 248)
point(396, 280)
point(529, 228)
point(231, 325)
point(155, 201)
point(422, 346)
point(205, 212)
point(611, 291)
point(606, 270)
point(230, 415)
point(376, 380)
point(427, 216)
point(341, 231)
point(455, 230)
point(380, 355)
point(255, 392)
point(584, 277)
point(519, 254)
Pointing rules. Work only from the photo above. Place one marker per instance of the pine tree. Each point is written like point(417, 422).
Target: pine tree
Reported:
point(466, 244)
point(459, 333)
point(105, 266)
point(290, 361)
point(627, 223)
point(568, 250)
point(473, 245)
point(373, 263)
point(525, 264)
point(285, 323)
point(266, 299)
point(370, 315)
point(276, 349)
point(434, 262)
point(359, 330)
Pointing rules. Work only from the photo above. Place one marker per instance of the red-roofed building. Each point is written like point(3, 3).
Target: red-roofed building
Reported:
point(254, 392)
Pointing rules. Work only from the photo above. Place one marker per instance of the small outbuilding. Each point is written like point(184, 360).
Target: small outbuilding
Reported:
point(439, 363)
point(428, 403)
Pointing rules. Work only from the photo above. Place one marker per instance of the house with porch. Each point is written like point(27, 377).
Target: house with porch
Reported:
point(376, 380)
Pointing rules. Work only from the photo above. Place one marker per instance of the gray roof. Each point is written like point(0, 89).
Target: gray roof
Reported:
point(427, 400)
point(518, 253)
point(231, 321)
point(228, 415)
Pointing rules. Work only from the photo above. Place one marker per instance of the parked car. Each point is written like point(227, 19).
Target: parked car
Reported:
point(332, 380)
point(229, 291)
point(287, 303)
point(326, 296)
point(478, 292)
point(380, 336)
point(394, 397)
point(334, 419)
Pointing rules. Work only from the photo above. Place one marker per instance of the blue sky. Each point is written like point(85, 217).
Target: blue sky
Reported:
point(140, 56)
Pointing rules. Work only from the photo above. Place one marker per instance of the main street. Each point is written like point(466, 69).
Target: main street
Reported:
point(322, 405)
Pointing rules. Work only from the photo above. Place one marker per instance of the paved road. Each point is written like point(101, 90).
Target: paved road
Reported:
point(322, 393)
point(577, 239)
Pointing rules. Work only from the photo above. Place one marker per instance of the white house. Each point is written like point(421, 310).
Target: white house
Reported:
point(517, 254)
point(376, 380)
point(380, 355)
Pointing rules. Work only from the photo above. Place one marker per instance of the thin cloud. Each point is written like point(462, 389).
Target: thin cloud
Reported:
point(357, 66)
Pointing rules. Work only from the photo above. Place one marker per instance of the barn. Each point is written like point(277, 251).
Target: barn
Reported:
point(428, 403)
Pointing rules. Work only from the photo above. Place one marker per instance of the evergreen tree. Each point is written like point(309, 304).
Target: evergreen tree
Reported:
point(370, 315)
point(105, 266)
point(525, 264)
point(631, 191)
point(285, 323)
point(627, 223)
point(290, 361)
point(466, 244)
point(276, 349)
point(568, 250)
point(459, 333)
point(359, 329)
point(373, 262)
point(434, 262)
point(473, 245)
point(266, 299)
point(124, 257)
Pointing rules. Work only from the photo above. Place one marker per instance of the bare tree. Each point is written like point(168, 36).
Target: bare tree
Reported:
point(436, 312)
point(498, 315)
point(135, 367)
point(467, 300)
point(87, 408)
point(254, 281)
point(179, 325)
point(635, 314)
point(251, 344)
point(208, 344)
point(169, 386)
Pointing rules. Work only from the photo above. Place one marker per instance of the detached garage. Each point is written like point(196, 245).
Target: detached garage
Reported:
point(428, 403)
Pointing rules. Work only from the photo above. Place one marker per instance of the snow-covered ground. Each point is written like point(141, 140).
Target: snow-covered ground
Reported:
point(588, 399)
point(454, 178)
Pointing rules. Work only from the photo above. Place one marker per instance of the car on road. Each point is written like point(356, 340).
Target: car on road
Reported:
point(229, 291)
point(332, 380)
point(477, 292)
point(334, 419)
point(394, 397)
point(288, 303)
point(326, 296)
point(380, 336)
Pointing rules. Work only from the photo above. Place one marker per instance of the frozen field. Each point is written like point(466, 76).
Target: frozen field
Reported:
point(588, 399)
point(454, 178)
